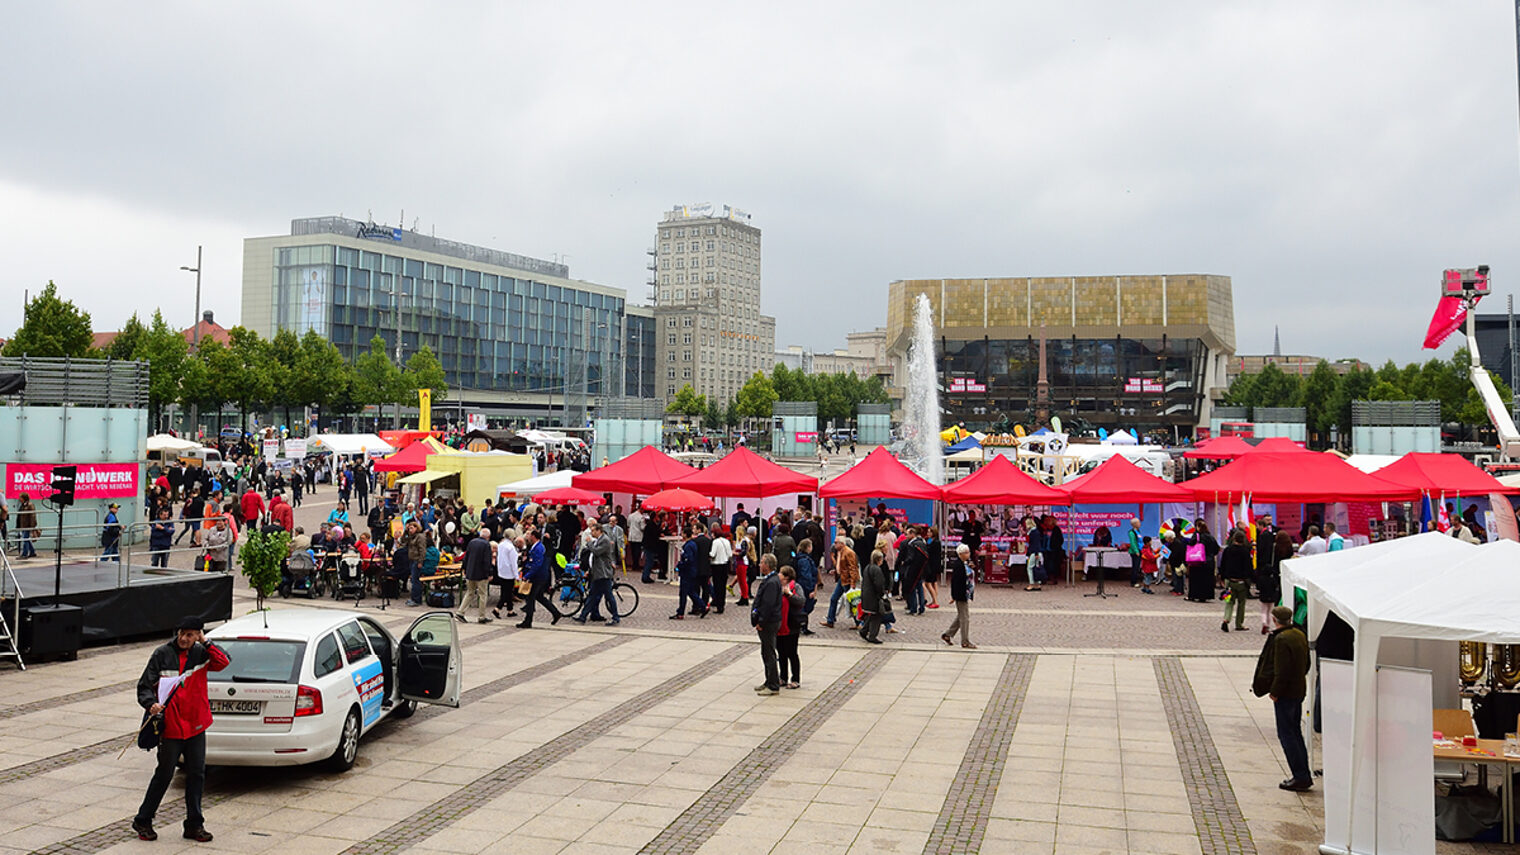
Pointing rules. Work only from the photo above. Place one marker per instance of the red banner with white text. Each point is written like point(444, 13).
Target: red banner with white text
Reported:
point(93, 481)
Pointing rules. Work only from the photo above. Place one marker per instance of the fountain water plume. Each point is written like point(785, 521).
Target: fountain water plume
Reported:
point(921, 402)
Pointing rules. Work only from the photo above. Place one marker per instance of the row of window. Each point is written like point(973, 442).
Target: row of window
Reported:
point(737, 235)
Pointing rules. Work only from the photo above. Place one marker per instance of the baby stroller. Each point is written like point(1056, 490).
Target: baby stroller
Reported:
point(851, 606)
point(350, 578)
point(301, 577)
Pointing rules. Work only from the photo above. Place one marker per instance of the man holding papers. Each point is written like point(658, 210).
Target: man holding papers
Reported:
point(174, 685)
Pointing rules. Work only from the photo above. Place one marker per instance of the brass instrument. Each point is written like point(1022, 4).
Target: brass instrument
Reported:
point(1473, 659)
point(1506, 665)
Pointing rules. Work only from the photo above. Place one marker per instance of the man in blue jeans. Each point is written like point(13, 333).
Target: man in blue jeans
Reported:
point(1280, 674)
point(599, 574)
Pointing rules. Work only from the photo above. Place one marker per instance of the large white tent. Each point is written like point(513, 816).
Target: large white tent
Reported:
point(1428, 592)
point(345, 444)
point(168, 442)
point(539, 484)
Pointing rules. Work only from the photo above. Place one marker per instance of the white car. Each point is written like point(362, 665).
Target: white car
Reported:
point(305, 684)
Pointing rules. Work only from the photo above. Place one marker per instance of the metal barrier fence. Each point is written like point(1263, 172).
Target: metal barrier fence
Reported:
point(134, 549)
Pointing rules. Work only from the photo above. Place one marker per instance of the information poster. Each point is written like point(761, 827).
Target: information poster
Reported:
point(295, 449)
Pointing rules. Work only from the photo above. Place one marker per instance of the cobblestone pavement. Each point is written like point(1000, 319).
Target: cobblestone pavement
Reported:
point(1074, 729)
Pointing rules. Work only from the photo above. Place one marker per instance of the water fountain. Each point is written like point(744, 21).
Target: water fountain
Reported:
point(921, 402)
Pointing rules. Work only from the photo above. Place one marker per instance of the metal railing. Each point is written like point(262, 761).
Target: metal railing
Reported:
point(10, 591)
point(80, 382)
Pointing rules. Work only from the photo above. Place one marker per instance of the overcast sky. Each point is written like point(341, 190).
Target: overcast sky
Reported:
point(1332, 158)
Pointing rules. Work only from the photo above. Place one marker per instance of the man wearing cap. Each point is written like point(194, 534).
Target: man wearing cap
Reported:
point(186, 715)
point(110, 535)
point(1279, 675)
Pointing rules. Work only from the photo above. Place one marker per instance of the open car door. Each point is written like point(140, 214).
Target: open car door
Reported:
point(429, 662)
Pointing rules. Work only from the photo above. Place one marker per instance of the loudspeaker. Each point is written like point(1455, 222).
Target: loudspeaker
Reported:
point(52, 630)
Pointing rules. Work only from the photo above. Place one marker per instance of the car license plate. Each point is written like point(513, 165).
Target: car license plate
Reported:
point(237, 707)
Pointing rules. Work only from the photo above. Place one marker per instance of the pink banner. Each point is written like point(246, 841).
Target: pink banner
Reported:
point(94, 480)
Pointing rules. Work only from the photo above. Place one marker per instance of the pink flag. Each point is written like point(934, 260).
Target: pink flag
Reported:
point(1449, 317)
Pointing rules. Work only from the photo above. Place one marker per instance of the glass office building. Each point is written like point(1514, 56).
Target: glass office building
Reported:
point(1147, 352)
point(507, 328)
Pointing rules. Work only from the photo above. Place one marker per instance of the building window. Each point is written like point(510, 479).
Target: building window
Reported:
point(670, 322)
point(685, 356)
point(671, 338)
point(670, 374)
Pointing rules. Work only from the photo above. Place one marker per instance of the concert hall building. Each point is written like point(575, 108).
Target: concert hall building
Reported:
point(1145, 352)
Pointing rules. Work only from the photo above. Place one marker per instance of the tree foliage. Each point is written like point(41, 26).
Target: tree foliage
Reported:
point(377, 380)
point(424, 371)
point(53, 328)
point(837, 395)
point(756, 397)
point(687, 403)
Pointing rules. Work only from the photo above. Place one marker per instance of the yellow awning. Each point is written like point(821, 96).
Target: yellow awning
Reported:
point(426, 476)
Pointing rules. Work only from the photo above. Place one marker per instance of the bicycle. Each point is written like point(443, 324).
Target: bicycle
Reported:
point(570, 592)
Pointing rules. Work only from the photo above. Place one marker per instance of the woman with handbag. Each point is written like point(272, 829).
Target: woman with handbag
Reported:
point(1199, 556)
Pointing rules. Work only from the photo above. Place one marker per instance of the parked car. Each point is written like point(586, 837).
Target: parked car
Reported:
point(305, 684)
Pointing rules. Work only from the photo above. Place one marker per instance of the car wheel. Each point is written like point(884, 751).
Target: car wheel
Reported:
point(348, 744)
point(404, 709)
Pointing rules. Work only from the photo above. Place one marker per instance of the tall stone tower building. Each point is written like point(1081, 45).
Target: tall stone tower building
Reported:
point(709, 332)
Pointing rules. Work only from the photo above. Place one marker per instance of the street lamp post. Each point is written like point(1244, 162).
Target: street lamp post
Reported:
point(195, 333)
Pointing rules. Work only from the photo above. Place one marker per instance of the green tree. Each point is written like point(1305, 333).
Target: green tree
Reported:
point(129, 341)
point(1319, 400)
point(199, 385)
point(290, 384)
point(424, 371)
point(53, 328)
point(1355, 385)
point(377, 380)
point(245, 371)
point(164, 349)
point(1243, 391)
point(1275, 388)
point(756, 397)
point(687, 403)
point(323, 373)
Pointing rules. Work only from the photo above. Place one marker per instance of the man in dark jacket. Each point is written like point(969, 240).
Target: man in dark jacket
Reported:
point(568, 525)
point(765, 617)
point(478, 567)
point(910, 562)
point(186, 715)
point(873, 590)
point(704, 567)
point(598, 562)
point(961, 590)
point(535, 570)
point(783, 546)
point(1280, 674)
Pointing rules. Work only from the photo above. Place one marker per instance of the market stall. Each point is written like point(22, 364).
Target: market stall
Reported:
point(744, 475)
point(1000, 486)
point(879, 480)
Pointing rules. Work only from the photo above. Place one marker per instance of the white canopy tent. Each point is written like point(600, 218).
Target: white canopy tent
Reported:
point(539, 484)
point(345, 444)
point(167, 442)
point(1430, 591)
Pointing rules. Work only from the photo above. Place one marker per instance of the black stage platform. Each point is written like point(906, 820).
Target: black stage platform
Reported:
point(126, 601)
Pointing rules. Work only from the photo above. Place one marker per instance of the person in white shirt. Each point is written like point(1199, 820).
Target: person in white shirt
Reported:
point(721, 556)
point(1314, 545)
point(1333, 541)
point(506, 575)
point(635, 551)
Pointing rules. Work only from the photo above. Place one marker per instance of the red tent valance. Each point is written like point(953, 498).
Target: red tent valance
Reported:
point(1223, 448)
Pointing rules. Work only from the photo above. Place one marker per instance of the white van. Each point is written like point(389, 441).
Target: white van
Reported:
point(194, 457)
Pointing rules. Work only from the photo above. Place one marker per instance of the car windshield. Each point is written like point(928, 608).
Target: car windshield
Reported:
point(260, 661)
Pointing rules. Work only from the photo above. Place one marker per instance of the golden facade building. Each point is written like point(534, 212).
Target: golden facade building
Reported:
point(1148, 352)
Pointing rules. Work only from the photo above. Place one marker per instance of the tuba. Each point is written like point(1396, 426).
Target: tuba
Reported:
point(1506, 665)
point(1472, 656)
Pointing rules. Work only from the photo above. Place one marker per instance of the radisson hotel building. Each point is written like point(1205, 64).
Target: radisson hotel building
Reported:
point(1144, 352)
point(516, 335)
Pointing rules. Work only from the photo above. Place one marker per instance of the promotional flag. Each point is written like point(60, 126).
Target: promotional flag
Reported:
point(1426, 517)
point(1450, 315)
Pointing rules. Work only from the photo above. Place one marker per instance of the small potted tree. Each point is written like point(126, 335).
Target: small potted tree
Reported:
point(260, 558)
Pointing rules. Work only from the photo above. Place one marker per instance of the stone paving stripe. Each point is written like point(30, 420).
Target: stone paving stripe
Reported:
point(70, 698)
point(1221, 827)
point(114, 743)
point(698, 823)
point(962, 822)
point(486, 788)
point(172, 813)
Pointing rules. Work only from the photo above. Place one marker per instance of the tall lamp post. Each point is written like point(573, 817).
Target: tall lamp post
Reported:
point(586, 369)
point(195, 335)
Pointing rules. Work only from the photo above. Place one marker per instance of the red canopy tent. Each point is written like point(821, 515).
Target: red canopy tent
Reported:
point(403, 438)
point(568, 496)
point(413, 458)
point(1222, 448)
point(744, 474)
point(879, 475)
point(1296, 476)
point(1440, 474)
point(1001, 482)
point(644, 471)
point(1119, 482)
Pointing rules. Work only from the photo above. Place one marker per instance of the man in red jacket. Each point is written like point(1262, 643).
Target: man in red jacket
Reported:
point(253, 508)
point(281, 512)
point(186, 717)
